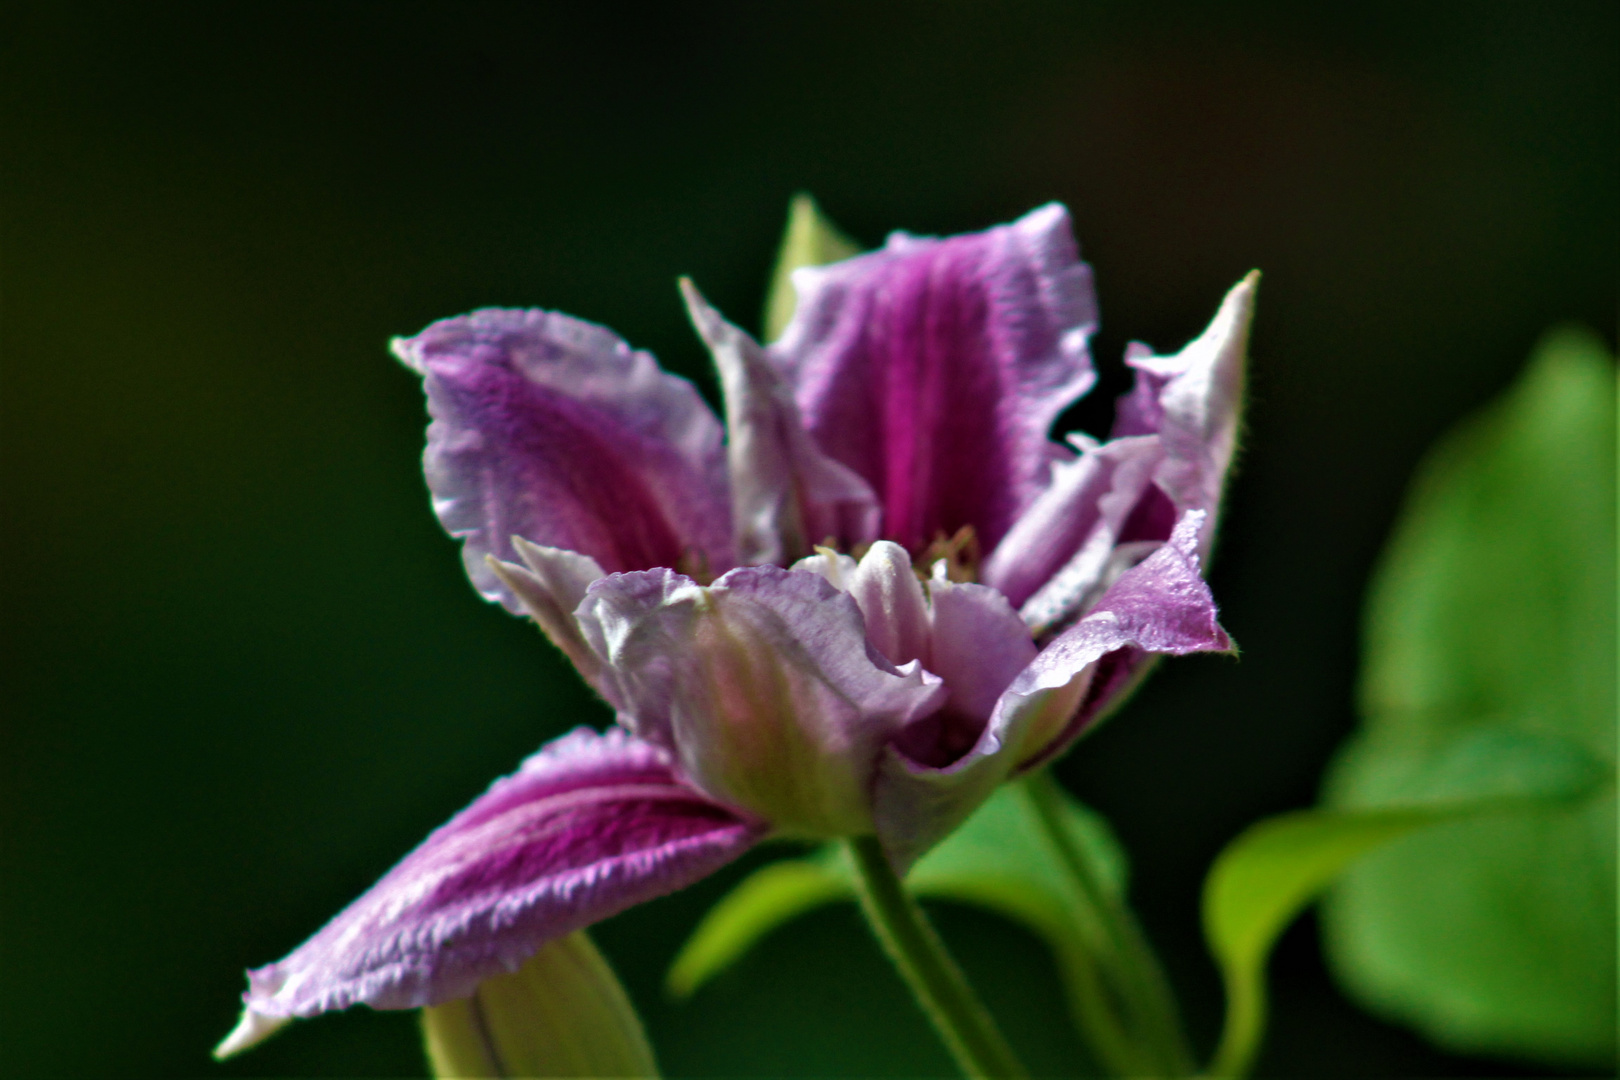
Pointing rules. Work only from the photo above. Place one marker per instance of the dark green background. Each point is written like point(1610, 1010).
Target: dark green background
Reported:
point(243, 670)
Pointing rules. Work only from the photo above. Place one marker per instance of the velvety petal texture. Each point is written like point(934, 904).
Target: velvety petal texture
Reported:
point(935, 368)
point(762, 685)
point(786, 495)
point(1160, 606)
point(553, 429)
point(590, 825)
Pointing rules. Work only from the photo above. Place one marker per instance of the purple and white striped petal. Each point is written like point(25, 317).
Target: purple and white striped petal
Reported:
point(1161, 606)
point(786, 495)
point(763, 685)
point(553, 429)
point(590, 825)
point(935, 368)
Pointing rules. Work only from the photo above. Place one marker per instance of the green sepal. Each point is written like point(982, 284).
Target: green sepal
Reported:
point(563, 1013)
point(810, 240)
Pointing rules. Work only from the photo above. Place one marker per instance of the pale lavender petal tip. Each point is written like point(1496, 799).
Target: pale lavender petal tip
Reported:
point(935, 368)
point(1192, 401)
point(590, 825)
point(553, 429)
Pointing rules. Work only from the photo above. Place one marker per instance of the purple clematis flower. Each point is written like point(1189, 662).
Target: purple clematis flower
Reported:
point(784, 614)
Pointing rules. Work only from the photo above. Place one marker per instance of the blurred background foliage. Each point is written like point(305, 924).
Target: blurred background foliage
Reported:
point(243, 670)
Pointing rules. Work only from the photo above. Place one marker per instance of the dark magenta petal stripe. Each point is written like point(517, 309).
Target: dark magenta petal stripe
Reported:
point(589, 826)
point(935, 368)
point(553, 429)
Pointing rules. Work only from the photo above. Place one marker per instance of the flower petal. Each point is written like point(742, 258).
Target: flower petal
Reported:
point(553, 429)
point(1172, 444)
point(891, 599)
point(977, 646)
point(589, 826)
point(1159, 606)
point(763, 685)
point(935, 368)
point(1055, 553)
point(550, 587)
point(1192, 401)
point(786, 495)
point(980, 644)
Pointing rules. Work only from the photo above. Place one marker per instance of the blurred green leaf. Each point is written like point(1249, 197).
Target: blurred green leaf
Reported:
point(999, 860)
point(1266, 876)
point(563, 1013)
point(771, 896)
point(1492, 617)
point(810, 240)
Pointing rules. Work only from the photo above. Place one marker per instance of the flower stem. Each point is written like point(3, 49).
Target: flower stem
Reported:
point(960, 1018)
point(1125, 959)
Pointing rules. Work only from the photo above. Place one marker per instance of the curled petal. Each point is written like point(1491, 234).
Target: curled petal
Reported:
point(977, 646)
point(1160, 606)
point(587, 827)
point(786, 495)
point(935, 368)
point(553, 429)
point(1192, 401)
point(550, 586)
point(1055, 554)
point(891, 600)
point(762, 684)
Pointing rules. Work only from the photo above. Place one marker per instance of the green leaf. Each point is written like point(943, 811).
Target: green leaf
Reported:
point(1267, 876)
point(1259, 882)
point(999, 860)
point(810, 240)
point(771, 896)
point(563, 1013)
point(1492, 616)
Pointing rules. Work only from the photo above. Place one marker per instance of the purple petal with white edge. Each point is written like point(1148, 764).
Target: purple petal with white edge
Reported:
point(935, 368)
point(1070, 529)
point(1192, 400)
point(553, 429)
point(1161, 606)
point(550, 586)
point(763, 685)
point(786, 495)
point(587, 827)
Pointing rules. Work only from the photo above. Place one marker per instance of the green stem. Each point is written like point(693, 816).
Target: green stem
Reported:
point(1126, 959)
point(960, 1018)
point(1240, 1034)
